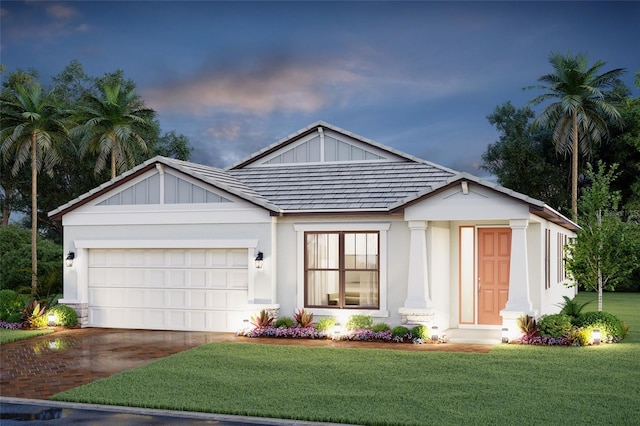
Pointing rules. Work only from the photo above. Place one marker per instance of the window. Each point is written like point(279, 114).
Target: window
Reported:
point(342, 270)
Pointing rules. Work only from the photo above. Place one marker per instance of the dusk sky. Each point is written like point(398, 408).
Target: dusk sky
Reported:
point(235, 77)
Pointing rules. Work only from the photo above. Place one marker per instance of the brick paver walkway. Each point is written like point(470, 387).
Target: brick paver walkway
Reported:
point(40, 367)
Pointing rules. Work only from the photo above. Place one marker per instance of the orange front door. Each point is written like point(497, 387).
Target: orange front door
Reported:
point(494, 253)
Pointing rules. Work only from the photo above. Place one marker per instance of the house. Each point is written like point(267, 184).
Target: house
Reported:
point(324, 220)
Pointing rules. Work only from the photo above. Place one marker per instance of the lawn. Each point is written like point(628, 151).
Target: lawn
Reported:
point(7, 336)
point(513, 384)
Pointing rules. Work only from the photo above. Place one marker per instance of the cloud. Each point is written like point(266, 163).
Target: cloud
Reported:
point(260, 87)
point(59, 11)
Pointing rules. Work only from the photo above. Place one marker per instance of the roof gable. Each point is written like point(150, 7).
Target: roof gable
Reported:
point(322, 143)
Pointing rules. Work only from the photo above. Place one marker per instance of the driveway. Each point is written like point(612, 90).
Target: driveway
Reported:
point(40, 367)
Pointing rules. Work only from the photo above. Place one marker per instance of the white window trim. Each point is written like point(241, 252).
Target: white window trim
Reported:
point(342, 314)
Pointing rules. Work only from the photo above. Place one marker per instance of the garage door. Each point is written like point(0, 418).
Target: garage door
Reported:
point(168, 289)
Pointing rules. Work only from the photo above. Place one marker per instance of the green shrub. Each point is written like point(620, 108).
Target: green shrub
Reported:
point(326, 324)
point(64, 315)
point(11, 304)
point(611, 328)
point(399, 331)
point(359, 322)
point(379, 327)
point(578, 336)
point(420, 332)
point(572, 308)
point(284, 322)
point(555, 325)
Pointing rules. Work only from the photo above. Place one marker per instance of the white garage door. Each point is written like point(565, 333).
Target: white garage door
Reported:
point(168, 289)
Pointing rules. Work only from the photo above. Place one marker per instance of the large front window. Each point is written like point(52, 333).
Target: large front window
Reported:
point(342, 269)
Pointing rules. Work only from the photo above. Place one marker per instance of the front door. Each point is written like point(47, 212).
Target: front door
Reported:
point(494, 257)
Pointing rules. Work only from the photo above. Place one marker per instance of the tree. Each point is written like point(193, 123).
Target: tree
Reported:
point(173, 145)
point(525, 161)
point(31, 125)
point(110, 126)
point(605, 250)
point(578, 117)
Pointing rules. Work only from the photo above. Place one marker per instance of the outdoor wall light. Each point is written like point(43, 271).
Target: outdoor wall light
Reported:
point(434, 333)
point(259, 260)
point(505, 335)
point(52, 319)
point(596, 336)
point(69, 259)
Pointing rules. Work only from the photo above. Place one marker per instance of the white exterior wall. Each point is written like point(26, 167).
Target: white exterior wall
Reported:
point(236, 224)
point(394, 271)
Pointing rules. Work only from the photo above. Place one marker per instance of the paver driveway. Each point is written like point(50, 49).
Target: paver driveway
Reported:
point(43, 366)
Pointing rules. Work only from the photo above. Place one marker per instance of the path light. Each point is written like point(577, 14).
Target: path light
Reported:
point(596, 336)
point(52, 319)
point(337, 329)
point(505, 335)
point(434, 333)
point(259, 260)
point(69, 259)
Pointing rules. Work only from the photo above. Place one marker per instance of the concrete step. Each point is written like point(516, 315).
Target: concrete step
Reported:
point(478, 336)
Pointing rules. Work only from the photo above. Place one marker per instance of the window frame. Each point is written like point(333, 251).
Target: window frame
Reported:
point(382, 228)
point(342, 270)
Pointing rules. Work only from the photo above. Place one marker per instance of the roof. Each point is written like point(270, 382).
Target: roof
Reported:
point(370, 186)
point(387, 184)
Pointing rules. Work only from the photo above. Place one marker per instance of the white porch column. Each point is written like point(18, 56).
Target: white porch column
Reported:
point(418, 280)
point(519, 302)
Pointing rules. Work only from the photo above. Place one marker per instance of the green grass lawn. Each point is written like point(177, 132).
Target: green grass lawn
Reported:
point(7, 336)
point(513, 384)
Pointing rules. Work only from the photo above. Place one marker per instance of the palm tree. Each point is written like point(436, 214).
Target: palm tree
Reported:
point(110, 126)
point(31, 125)
point(578, 117)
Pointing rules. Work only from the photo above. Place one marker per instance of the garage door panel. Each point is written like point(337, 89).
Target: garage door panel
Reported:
point(170, 289)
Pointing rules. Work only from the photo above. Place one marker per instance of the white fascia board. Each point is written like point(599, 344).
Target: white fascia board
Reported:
point(165, 244)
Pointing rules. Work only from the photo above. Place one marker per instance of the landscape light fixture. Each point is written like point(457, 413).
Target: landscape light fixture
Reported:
point(505, 335)
point(52, 319)
point(596, 336)
point(69, 259)
point(434, 333)
point(259, 260)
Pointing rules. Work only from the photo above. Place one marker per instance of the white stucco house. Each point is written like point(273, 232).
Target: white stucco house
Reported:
point(340, 225)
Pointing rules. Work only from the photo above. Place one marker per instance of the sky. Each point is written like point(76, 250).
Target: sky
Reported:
point(234, 77)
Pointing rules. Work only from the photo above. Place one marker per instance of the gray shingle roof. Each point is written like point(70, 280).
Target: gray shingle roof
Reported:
point(354, 186)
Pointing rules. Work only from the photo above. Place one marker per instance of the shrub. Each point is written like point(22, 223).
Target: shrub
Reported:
point(284, 322)
point(326, 325)
point(380, 327)
point(263, 319)
point(359, 322)
point(420, 332)
point(528, 326)
point(555, 325)
point(65, 315)
point(303, 318)
point(578, 336)
point(400, 331)
point(611, 328)
point(572, 308)
point(11, 304)
point(34, 316)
